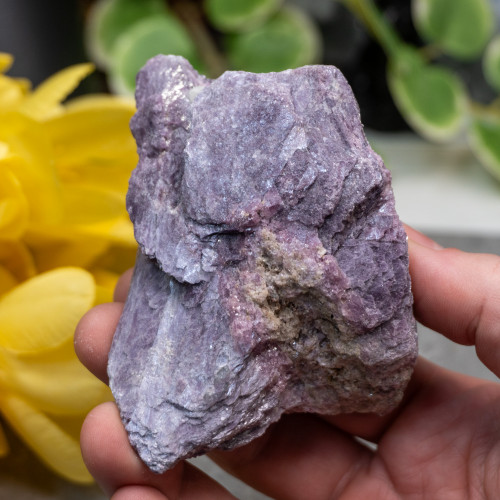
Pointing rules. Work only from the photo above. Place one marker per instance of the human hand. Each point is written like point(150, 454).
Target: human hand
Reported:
point(442, 442)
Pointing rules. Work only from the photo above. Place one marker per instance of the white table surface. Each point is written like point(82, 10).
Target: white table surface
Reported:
point(440, 188)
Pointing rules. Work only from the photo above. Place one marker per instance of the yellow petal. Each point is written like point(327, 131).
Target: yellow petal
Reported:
point(100, 101)
point(89, 212)
point(44, 311)
point(12, 92)
point(59, 387)
point(6, 61)
point(30, 158)
point(60, 247)
point(17, 259)
point(4, 150)
point(97, 170)
point(93, 143)
point(115, 231)
point(120, 231)
point(44, 101)
point(14, 209)
point(88, 205)
point(59, 353)
point(52, 444)
point(80, 245)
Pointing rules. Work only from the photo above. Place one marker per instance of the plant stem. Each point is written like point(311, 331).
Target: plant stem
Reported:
point(189, 13)
point(368, 13)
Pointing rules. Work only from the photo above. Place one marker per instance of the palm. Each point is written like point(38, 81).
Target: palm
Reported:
point(430, 451)
point(442, 442)
point(425, 450)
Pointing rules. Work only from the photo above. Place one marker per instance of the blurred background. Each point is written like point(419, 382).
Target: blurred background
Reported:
point(420, 69)
point(426, 74)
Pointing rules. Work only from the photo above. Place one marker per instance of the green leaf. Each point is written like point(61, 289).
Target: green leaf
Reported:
point(287, 40)
point(491, 63)
point(147, 38)
point(239, 15)
point(461, 28)
point(430, 98)
point(109, 19)
point(484, 139)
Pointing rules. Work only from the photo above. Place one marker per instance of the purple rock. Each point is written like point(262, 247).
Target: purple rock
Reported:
point(272, 275)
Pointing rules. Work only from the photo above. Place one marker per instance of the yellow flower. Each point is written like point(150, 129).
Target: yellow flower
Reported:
point(64, 238)
point(64, 169)
point(42, 385)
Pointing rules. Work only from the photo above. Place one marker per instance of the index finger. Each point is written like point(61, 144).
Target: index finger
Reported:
point(458, 294)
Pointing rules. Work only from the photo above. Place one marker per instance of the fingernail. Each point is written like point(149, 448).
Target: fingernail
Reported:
point(422, 239)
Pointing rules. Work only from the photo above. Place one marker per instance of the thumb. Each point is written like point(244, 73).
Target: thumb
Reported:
point(457, 294)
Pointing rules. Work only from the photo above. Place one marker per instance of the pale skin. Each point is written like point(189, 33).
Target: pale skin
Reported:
point(443, 442)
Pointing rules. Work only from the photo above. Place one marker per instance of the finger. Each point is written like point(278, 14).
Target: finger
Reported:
point(123, 285)
point(93, 337)
point(138, 493)
point(421, 238)
point(118, 470)
point(458, 295)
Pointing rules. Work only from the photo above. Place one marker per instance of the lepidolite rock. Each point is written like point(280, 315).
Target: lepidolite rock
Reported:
point(273, 270)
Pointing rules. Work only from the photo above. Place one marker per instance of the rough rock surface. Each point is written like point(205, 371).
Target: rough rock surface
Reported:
point(273, 269)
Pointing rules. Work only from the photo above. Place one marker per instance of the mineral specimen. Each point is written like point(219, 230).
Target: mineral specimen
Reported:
point(272, 275)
